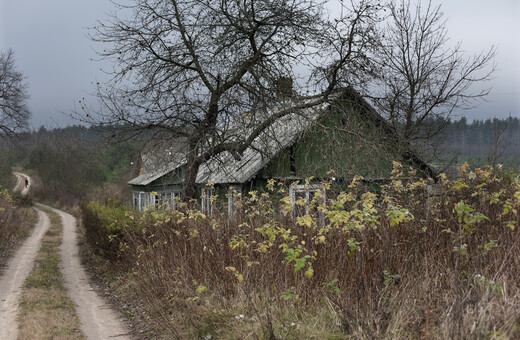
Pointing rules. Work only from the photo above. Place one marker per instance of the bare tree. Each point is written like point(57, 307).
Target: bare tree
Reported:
point(420, 77)
point(208, 74)
point(14, 113)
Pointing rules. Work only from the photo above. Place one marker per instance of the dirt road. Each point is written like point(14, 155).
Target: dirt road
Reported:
point(97, 319)
point(11, 281)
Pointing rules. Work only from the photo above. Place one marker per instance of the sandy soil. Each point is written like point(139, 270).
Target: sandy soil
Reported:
point(18, 268)
point(97, 319)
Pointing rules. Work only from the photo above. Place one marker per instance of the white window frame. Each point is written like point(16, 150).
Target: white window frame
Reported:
point(309, 190)
point(170, 197)
point(206, 203)
point(144, 199)
point(233, 192)
point(135, 199)
point(175, 199)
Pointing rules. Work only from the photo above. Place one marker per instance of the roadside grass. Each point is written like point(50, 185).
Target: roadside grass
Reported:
point(17, 219)
point(414, 261)
point(46, 311)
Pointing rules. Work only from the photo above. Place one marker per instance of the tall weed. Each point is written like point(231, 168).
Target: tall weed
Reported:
point(417, 259)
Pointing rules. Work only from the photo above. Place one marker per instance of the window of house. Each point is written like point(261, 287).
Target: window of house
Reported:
point(301, 197)
point(175, 199)
point(143, 200)
point(206, 203)
point(167, 199)
point(146, 200)
point(135, 199)
point(233, 196)
point(158, 200)
point(163, 200)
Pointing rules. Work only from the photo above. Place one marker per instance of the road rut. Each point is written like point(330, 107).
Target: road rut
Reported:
point(98, 320)
point(19, 267)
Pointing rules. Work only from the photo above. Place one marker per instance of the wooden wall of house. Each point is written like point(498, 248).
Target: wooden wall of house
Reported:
point(340, 142)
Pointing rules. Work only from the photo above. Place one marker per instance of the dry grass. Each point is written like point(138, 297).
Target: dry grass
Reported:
point(46, 311)
point(16, 223)
point(407, 263)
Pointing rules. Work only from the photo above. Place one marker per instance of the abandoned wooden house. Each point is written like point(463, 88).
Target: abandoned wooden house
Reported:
point(336, 140)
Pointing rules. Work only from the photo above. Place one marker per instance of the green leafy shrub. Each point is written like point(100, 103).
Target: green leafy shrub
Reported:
point(104, 224)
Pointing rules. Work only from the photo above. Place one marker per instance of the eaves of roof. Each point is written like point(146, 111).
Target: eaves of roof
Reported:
point(149, 177)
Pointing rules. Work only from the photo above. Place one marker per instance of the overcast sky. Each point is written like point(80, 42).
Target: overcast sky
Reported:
point(51, 48)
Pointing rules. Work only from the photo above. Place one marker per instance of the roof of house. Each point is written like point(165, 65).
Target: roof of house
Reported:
point(157, 172)
point(225, 168)
point(280, 135)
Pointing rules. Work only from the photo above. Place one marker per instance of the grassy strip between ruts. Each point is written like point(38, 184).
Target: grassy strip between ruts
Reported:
point(46, 310)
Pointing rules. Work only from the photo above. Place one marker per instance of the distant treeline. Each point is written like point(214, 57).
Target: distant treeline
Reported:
point(483, 141)
point(70, 162)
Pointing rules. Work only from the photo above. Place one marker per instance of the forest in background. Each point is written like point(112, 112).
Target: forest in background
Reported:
point(69, 164)
point(483, 141)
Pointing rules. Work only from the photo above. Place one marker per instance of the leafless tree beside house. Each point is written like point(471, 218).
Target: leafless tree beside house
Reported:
point(14, 112)
point(203, 71)
point(422, 78)
point(207, 73)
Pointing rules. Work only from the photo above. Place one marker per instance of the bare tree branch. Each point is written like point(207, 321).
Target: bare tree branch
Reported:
point(14, 112)
point(422, 77)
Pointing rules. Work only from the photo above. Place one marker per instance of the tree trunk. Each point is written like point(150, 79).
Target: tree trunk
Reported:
point(194, 160)
point(188, 188)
